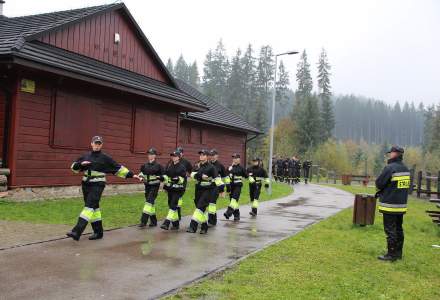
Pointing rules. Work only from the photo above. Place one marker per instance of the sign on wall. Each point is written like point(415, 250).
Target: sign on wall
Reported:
point(27, 86)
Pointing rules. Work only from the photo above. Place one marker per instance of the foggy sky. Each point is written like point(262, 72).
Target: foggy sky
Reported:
point(386, 49)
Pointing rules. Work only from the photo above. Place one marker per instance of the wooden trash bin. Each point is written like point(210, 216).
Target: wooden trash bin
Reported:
point(364, 209)
point(346, 179)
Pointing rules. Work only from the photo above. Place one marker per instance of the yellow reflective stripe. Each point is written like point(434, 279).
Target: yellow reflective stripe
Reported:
point(227, 180)
point(95, 174)
point(212, 208)
point(255, 203)
point(218, 181)
point(233, 204)
point(397, 178)
point(199, 216)
point(205, 183)
point(181, 180)
point(73, 170)
point(94, 179)
point(180, 202)
point(172, 215)
point(149, 209)
point(251, 179)
point(193, 174)
point(96, 216)
point(87, 213)
point(393, 209)
point(122, 172)
point(267, 180)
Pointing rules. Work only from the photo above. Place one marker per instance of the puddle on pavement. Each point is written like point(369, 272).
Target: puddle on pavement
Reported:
point(296, 202)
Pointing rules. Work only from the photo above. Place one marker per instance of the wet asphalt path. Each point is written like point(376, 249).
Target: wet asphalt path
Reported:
point(130, 263)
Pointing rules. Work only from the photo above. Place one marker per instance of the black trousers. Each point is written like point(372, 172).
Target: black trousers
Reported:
point(392, 224)
point(235, 194)
point(201, 201)
point(151, 192)
point(173, 200)
point(212, 216)
point(92, 193)
point(254, 191)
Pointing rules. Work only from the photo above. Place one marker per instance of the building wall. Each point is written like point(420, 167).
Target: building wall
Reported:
point(2, 121)
point(38, 161)
point(226, 141)
point(95, 36)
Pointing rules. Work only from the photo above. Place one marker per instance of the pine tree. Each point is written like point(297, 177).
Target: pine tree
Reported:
point(249, 77)
point(235, 85)
point(181, 69)
point(303, 77)
point(193, 75)
point(379, 160)
point(282, 84)
point(327, 114)
point(308, 124)
point(170, 66)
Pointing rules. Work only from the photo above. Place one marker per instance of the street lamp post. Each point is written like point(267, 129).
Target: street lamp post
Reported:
point(272, 127)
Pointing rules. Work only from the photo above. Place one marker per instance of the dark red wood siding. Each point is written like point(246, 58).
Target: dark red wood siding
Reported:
point(2, 121)
point(38, 163)
point(95, 38)
point(226, 141)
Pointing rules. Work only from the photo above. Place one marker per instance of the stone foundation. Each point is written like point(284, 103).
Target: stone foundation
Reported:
point(45, 193)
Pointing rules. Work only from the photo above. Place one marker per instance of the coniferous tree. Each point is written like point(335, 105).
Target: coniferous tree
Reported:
point(249, 77)
point(170, 66)
point(308, 124)
point(282, 85)
point(193, 75)
point(304, 77)
point(235, 85)
point(265, 73)
point(327, 115)
point(181, 69)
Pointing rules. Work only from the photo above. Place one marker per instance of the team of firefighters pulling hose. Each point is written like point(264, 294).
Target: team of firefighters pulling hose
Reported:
point(212, 178)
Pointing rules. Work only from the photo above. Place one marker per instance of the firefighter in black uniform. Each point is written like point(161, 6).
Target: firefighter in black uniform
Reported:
point(207, 180)
point(174, 184)
point(297, 168)
point(292, 170)
point(236, 174)
point(95, 165)
point(286, 170)
point(307, 164)
point(222, 175)
point(392, 185)
point(279, 165)
point(188, 168)
point(150, 174)
point(257, 175)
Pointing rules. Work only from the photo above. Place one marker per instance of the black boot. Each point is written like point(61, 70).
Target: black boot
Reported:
point(253, 212)
point(175, 225)
point(236, 215)
point(153, 221)
point(192, 228)
point(399, 249)
point(98, 231)
point(228, 212)
point(78, 229)
point(144, 220)
point(212, 219)
point(391, 254)
point(165, 225)
point(204, 228)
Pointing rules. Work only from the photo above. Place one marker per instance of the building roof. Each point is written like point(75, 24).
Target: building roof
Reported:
point(217, 114)
point(18, 42)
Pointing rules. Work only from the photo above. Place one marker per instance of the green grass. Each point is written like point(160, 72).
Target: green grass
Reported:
point(117, 211)
point(335, 260)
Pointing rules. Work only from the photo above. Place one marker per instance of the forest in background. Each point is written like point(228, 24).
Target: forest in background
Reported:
point(345, 133)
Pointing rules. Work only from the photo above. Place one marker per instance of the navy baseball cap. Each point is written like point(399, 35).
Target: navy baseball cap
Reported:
point(97, 139)
point(235, 155)
point(397, 149)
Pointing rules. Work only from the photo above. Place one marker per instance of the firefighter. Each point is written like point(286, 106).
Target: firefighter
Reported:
point(257, 175)
point(150, 174)
point(236, 174)
point(286, 170)
point(307, 164)
point(292, 170)
point(207, 180)
point(188, 168)
point(279, 165)
point(174, 184)
point(393, 185)
point(94, 165)
point(222, 175)
point(297, 169)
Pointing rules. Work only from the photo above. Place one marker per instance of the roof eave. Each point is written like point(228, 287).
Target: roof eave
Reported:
point(204, 121)
point(43, 67)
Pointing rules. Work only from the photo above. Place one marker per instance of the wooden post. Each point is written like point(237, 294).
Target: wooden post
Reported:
point(334, 176)
point(328, 174)
point(411, 181)
point(419, 183)
point(428, 184)
point(438, 185)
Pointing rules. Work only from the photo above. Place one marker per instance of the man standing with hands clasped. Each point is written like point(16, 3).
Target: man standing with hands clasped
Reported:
point(392, 185)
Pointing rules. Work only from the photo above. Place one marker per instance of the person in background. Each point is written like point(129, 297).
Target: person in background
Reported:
point(257, 175)
point(236, 174)
point(188, 168)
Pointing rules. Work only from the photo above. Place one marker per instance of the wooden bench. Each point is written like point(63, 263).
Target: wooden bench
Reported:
point(435, 214)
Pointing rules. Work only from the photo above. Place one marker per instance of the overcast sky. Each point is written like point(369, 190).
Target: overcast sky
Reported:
point(377, 48)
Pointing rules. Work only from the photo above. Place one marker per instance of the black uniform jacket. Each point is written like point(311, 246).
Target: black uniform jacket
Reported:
point(393, 185)
point(151, 173)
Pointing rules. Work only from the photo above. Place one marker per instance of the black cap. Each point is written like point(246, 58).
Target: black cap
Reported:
point(152, 151)
point(235, 155)
point(397, 149)
point(97, 139)
point(213, 152)
point(204, 152)
point(179, 149)
point(175, 153)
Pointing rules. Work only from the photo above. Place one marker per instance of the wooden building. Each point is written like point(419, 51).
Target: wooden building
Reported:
point(66, 76)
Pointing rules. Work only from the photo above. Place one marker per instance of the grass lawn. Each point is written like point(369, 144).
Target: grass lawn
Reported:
point(117, 211)
point(335, 260)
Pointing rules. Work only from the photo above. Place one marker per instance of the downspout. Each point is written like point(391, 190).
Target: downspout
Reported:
point(245, 146)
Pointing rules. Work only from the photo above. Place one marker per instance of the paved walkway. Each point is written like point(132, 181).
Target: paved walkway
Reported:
point(130, 263)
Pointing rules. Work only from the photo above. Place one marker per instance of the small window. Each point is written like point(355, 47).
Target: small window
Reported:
point(75, 119)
